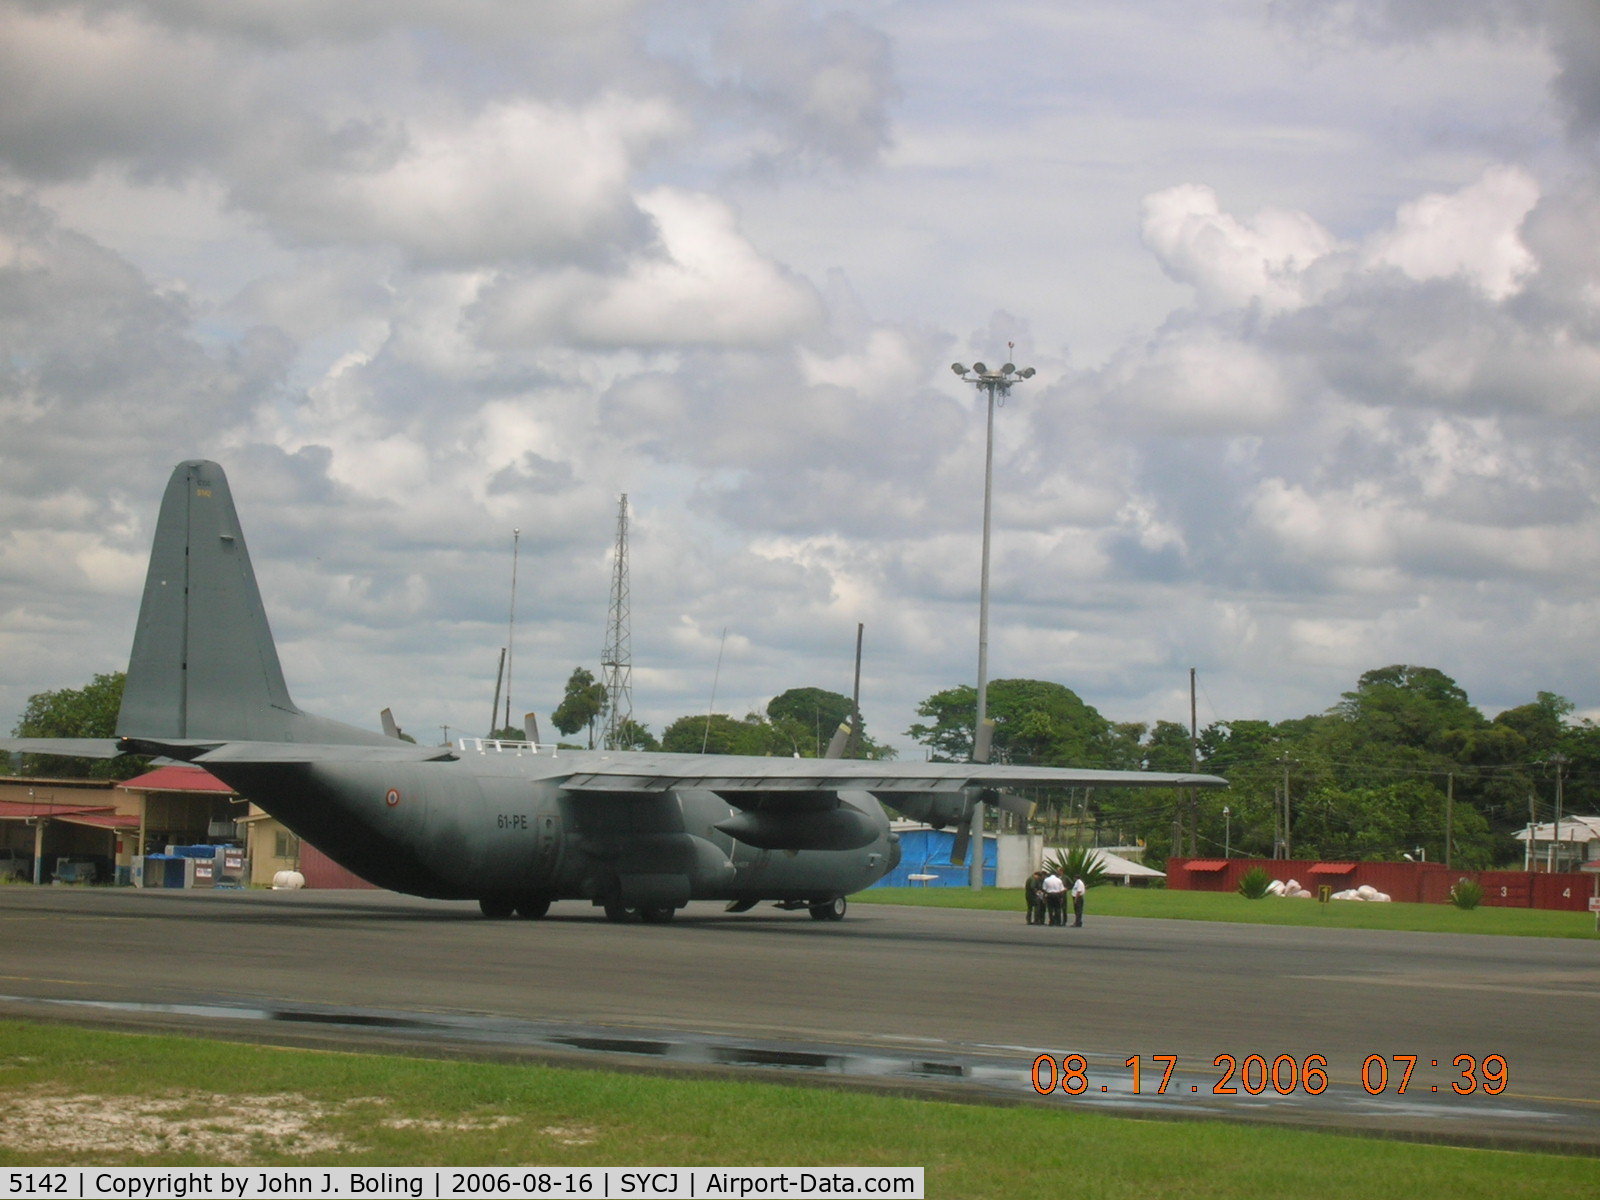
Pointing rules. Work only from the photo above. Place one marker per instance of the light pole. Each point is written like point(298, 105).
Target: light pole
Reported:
point(996, 384)
point(1227, 832)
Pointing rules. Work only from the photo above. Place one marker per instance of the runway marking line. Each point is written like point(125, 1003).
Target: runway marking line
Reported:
point(1436, 984)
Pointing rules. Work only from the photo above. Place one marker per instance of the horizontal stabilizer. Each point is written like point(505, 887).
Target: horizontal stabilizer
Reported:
point(63, 747)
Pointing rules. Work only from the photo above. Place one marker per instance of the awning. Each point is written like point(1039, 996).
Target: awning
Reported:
point(1206, 864)
point(1333, 868)
point(25, 809)
point(113, 821)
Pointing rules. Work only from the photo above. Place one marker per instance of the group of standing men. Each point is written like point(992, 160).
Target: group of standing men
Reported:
point(1046, 894)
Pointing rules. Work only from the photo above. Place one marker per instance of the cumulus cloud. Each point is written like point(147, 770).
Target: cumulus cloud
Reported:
point(699, 282)
point(823, 85)
point(1567, 27)
point(1229, 262)
point(1471, 234)
point(516, 180)
point(420, 273)
point(1197, 378)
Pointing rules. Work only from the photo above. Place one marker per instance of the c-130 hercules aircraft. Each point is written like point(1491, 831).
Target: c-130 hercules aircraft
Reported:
point(513, 826)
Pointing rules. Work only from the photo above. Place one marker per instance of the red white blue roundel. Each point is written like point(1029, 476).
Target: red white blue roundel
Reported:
point(392, 797)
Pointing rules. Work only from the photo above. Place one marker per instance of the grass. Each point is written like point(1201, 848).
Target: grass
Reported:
point(1227, 906)
point(239, 1105)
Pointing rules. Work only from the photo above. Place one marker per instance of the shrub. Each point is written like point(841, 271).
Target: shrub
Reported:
point(1253, 883)
point(1079, 862)
point(1467, 893)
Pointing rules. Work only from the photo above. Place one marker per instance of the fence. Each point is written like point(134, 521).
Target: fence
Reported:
point(1419, 883)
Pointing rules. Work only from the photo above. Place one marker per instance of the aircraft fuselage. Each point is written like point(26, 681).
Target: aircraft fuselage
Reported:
point(500, 825)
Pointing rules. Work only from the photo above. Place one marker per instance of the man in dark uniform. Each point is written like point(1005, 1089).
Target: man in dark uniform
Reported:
point(1034, 898)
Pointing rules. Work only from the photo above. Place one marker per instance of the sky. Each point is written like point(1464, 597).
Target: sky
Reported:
point(1312, 289)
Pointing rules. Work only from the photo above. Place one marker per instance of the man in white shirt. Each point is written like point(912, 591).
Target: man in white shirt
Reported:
point(1054, 890)
point(1078, 890)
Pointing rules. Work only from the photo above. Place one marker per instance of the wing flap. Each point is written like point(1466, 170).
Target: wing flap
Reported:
point(311, 752)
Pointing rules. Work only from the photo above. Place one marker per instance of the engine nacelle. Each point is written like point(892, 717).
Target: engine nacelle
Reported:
point(932, 808)
point(842, 828)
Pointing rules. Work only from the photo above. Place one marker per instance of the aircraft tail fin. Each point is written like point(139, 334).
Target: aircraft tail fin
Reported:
point(204, 664)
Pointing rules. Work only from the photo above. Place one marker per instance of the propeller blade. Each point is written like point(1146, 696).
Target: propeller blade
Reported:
point(1009, 802)
point(530, 727)
point(958, 848)
point(837, 743)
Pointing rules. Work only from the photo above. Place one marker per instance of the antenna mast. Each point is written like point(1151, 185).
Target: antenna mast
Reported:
point(616, 660)
point(511, 621)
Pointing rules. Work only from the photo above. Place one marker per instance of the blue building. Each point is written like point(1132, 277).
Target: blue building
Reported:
point(926, 852)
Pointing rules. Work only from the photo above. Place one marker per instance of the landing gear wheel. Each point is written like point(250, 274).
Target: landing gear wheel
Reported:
point(495, 908)
point(657, 916)
point(829, 910)
point(618, 913)
point(533, 909)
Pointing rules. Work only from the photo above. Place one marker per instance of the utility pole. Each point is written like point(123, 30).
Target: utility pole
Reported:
point(1449, 813)
point(996, 385)
point(853, 747)
point(511, 623)
point(1559, 761)
point(616, 660)
point(1285, 761)
point(1194, 768)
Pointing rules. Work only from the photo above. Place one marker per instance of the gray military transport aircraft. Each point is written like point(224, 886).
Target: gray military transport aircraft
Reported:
point(513, 826)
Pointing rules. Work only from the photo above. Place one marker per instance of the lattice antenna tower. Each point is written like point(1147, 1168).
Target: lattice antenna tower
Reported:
point(616, 660)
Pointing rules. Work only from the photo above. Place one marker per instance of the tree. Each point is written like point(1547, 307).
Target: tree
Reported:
point(814, 711)
point(808, 717)
point(718, 733)
point(633, 736)
point(1035, 722)
point(582, 705)
point(86, 712)
point(1409, 706)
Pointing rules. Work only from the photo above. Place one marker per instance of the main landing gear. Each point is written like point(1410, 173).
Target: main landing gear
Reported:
point(832, 909)
point(650, 914)
point(498, 908)
point(828, 910)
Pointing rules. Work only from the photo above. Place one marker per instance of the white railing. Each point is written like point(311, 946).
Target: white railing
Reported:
point(502, 746)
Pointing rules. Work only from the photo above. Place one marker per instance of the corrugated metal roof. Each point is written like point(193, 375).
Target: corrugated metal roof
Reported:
point(177, 779)
point(1573, 829)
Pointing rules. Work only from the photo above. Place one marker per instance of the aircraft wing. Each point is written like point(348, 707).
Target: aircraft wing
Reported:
point(816, 803)
point(736, 775)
